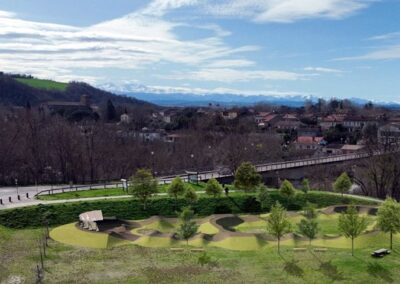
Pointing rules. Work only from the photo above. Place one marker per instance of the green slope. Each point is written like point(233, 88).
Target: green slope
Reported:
point(43, 84)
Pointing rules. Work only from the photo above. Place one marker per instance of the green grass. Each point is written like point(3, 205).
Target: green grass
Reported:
point(84, 194)
point(137, 264)
point(43, 84)
point(105, 192)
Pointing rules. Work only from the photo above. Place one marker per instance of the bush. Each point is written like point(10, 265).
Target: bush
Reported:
point(131, 208)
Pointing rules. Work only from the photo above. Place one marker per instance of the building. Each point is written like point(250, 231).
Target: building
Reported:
point(289, 122)
point(125, 118)
point(267, 120)
point(65, 107)
point(389, 134)
point(229, 115)
point(330, 121)
point(308, 143)
point(348, 149)
point(353, 123)
point(147, 135)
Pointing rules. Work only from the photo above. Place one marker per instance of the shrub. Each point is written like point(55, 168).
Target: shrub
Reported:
point(33, 216)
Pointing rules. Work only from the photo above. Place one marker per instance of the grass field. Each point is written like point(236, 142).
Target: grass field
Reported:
point(133, 264)
point(256, 238)
point(105, 192)
point(43, 84)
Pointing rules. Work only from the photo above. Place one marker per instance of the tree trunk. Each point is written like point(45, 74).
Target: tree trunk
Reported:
point(352, 246)
point(391, 240)
point(279, 245)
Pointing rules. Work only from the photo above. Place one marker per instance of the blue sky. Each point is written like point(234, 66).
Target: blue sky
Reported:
point(324, 48)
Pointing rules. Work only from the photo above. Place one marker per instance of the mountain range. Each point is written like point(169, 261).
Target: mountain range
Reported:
point(186, 97)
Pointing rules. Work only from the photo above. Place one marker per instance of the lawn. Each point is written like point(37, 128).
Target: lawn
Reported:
point(84, 194)
point(105, 192)
point(135, 264)
point(43, 84)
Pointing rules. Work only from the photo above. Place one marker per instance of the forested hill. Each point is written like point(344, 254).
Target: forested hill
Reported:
point(20, 90)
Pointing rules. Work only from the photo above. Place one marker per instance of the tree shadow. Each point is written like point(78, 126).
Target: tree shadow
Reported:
point(293, 269)
point(378, 271)
point(330, 270)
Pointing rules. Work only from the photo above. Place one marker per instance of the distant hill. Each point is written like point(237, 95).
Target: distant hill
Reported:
point(18, 90)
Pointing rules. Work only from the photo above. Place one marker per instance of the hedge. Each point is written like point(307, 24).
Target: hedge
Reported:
point(132, 209)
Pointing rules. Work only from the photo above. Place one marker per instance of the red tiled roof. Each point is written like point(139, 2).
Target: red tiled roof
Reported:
point(309, 140)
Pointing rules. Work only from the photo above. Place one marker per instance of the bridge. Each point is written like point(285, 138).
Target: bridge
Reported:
point(277, 166)
point(25, 194)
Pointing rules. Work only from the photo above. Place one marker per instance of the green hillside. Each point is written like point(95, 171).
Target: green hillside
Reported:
point(43, 84)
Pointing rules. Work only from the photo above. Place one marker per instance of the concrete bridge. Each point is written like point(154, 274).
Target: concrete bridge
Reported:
point(272, 167)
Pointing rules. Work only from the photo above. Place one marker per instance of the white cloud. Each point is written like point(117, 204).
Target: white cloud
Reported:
point(385, 53)
point(323, 70)
point(387, 36)
point(129, 42)
point(135, 41)
point(286, 11)
point(160, 7)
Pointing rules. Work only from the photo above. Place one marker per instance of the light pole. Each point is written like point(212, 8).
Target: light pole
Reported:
point(16, 185)
point(152, 162)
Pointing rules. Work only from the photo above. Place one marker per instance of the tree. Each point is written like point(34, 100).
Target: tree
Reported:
point(309, 228)
point(246, 177)
point(190, 195)
point(111, 112)
point(143, 185)
point(213, 187)
point(278, 224)
point(263, 197)
point(287, 189)
point(352, 225)
point(389, 218)
point(305, 185)
point(342, 184)
point(176, 188)
point(309, 211)
point(188, 227)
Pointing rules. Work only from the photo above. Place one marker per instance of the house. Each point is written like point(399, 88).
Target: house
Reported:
point(389, 133)
point(229, 115)
point(268, 120)
point(333, 149)
point(289, 122)
point(309, 131)
point(125, 118)
point(308, 143)
point(348, 149)
point(173, 138)
point(330, 121)
point(353, 123)
point(148, 135)
point(62, 107)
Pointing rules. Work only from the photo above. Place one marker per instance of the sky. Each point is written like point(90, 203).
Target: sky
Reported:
point(323, 48)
